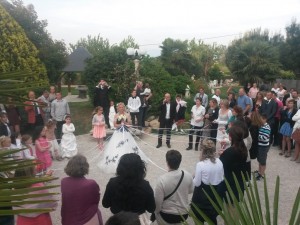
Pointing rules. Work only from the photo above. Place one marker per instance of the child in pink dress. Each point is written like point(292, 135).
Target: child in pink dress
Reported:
point(98, 122)
point(42, 149)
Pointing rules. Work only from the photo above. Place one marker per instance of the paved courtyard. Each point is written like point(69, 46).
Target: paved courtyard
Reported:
point(288, 171)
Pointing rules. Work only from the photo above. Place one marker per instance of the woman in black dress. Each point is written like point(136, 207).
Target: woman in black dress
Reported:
point(234, 161)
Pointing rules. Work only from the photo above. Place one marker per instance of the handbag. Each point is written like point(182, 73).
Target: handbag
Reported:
point(296, 135)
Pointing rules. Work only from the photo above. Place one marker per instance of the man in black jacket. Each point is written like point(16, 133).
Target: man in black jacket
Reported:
point(4, 127)
point(166, 118)
point(269, 108)
point(101, 99)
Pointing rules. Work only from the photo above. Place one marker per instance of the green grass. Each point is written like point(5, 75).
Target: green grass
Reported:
point(64, 91)
point(81, 113)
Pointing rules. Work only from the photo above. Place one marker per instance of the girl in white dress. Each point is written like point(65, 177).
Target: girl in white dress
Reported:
point(121, 142)
point(224, 115)
point(111, 116)
point(68, 140)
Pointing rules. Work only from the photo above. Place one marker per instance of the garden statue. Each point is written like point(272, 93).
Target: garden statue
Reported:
point(187, 91)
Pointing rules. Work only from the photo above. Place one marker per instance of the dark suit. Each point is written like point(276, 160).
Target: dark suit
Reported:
point(166, 123)
point(269, 108)
point(101, 99)
point(4, 129)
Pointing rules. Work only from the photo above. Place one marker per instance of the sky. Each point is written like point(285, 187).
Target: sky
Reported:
point(149, 22)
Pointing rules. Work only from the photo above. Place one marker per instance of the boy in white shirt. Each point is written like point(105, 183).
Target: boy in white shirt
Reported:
point(134, 103)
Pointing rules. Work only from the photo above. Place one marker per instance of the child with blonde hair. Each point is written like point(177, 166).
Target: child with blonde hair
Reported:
point(26, 142)
point(98, 122)
point(50, 135)
point(42, 149)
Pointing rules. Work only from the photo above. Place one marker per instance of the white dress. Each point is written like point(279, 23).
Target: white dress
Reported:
point(68, 141)
point(119, 144)
point(111, 116)
point(222, 122)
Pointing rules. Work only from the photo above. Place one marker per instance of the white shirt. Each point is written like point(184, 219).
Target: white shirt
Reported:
point(168, 105)
point(134, 103)
point(208, 172)
point(197, 113)
point(217, 98)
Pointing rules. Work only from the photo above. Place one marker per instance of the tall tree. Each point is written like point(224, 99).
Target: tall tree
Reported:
point(253, 58)
point(290, 50)
point(176, 57)
point(52, 53)
point(17, 52)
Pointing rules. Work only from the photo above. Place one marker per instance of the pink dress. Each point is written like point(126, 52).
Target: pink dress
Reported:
point(99, 126)
point(45, 156)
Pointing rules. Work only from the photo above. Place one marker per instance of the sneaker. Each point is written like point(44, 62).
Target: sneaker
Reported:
point(259, 177)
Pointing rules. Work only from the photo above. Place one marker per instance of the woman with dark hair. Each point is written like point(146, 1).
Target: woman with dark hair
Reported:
point(124, 218)
point(237, 114)
point(231, 99)
point(209, 172)
point(80, 196)
point(234, 160)
point(129, 191)
point(258, 101)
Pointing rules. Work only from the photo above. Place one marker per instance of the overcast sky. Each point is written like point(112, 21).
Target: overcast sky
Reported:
point(151, 21)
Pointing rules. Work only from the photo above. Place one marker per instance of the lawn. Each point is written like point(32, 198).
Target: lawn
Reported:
point(64, 91)
point(81, 113)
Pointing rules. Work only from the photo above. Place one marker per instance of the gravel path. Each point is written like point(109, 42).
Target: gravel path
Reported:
point(288, 171)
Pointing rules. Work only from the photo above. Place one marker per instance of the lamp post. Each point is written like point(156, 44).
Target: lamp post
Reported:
point(137, 54)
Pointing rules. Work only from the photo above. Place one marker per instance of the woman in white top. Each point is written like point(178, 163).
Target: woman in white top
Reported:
point(209, 171)
point(224, 115)
point(296, 118)
point(281, 92)
point(197, 122)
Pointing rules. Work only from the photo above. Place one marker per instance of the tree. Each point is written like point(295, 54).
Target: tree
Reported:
point(160, 81)
point(253, 58)
point(176, 57)
point(290, 50)
point(51, 52)
point(17, 52)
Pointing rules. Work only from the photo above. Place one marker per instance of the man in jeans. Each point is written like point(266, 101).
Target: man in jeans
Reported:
point(59, 109)
point(171, 192)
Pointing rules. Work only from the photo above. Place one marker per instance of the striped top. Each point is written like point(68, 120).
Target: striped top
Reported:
point(264, 135)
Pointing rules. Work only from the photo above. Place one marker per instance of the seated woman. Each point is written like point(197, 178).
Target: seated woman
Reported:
point(129, 191)
point(80, 196)
point(209, 171)
point(34, 218)
point(121, 142)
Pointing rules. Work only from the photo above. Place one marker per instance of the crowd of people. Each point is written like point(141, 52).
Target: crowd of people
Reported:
point(229, 132)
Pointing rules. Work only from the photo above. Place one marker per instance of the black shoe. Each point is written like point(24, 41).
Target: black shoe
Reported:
point(158, 146)
point(168, 145)
point(196, 148)
point(189, 148)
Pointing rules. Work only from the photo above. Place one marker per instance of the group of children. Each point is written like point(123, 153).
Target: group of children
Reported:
point(43, 145)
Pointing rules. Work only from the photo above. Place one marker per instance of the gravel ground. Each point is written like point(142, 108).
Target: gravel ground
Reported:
point(288, 171)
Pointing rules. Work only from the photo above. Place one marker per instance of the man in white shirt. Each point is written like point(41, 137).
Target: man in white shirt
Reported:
point(172, 191)
point(134, 103)
point(217, 96)
point(59, 109)
point(166, 119)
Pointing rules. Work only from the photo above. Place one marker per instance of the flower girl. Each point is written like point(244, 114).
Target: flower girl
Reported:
point(68, 140)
